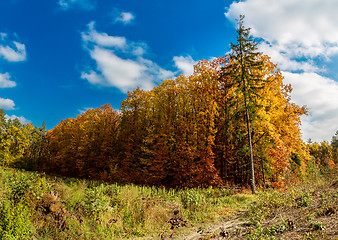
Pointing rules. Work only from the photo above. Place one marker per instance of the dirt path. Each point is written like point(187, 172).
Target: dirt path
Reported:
point(220, 230)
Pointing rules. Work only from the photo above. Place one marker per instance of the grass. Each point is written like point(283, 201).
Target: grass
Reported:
point(37, 206)
point(306, 210)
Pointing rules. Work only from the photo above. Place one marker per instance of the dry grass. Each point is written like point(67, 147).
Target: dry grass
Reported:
point(304, 211)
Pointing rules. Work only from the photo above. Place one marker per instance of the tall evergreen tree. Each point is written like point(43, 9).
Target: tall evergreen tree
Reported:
point(245, 70)
point(334, 141)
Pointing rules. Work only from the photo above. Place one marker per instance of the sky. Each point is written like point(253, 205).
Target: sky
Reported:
point(59, 58)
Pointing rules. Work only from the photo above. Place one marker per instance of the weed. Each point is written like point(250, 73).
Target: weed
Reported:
point(304, 200)
point(95, 201)
point(191, 198)
point(317, 226)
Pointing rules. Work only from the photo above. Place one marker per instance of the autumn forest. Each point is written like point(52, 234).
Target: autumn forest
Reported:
point(231, 122)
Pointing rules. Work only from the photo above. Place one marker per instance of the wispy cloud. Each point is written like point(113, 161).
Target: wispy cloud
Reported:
point(120, 63)
point(11, 51)
point(3, 36)
point(86, 5)
point(5, 81)
point(21, 118)
point(7, 104)
point(92, 37)
point(300, 36)
point(84, 110)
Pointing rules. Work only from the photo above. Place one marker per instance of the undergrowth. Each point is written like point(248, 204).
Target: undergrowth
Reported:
point(307, 210)
point(37, 206)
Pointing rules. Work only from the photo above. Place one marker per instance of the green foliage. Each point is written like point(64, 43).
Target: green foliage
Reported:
point(14, 220)
point(96, 201)
point(265, 202)
point(191, 198)
point(317, 225)
point(26, 187)
point(269, 232)
point(303, 200)
point(245, 71)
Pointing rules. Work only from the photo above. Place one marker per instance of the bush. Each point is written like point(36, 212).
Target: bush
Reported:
point(26, 187)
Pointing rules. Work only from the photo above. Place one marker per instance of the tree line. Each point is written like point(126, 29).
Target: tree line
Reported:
point(231, 122)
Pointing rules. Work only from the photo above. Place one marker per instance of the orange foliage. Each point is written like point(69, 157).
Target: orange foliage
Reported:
point(84, 146)
point(186, 132)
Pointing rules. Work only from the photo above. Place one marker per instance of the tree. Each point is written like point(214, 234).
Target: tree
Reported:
point(245, 69)
point(84, 146)
point(14, 142)
point(334, 141)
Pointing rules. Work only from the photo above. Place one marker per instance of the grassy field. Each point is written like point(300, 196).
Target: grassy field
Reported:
point(37, 206)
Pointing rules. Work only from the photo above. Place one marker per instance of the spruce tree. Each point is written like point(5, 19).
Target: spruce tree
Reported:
point(245, 70)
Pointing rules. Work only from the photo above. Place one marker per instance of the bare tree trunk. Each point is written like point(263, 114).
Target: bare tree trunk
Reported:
point(251, 161)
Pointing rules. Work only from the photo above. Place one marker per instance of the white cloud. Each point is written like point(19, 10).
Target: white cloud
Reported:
point(87, 5)
point(103, 39)
point(124, 17)
point(93, 78)
point(7, 104)
point(5, 81)
point(12, 51)
point(21, 119)
point(320, 94)
point(283, 59)
point(120, 63)
point(125, 74)
point(308, 26)
point(300, 36)
point(185, 64)
point(121, 73)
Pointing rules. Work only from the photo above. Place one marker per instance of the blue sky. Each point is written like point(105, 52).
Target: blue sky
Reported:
point(61, 57)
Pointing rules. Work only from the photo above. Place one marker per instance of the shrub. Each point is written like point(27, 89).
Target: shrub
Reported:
point(26, 187)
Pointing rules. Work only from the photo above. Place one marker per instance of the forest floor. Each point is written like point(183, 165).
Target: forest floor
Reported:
point(306, 211)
